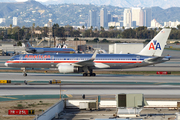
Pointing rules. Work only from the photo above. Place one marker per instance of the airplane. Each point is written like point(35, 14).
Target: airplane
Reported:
point(78, 63)
point(33, 50)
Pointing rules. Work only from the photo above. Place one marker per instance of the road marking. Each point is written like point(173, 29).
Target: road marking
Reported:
point(8, 97)
point(31, 81)
point(69, 95)
point(159, 83)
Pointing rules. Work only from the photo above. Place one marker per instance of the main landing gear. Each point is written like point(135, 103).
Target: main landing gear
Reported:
point(88, 74)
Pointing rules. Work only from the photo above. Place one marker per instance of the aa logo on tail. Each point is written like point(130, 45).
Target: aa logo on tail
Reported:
point(155, 45)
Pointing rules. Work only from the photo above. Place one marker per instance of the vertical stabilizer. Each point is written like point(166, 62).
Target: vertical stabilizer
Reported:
point(156, 46)
point(27, 44)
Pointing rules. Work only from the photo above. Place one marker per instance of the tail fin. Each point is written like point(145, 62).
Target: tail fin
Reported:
point(27, 44)
point(156, 46)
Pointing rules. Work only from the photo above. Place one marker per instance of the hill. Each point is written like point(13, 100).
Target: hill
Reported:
point(165, 15)
point(69, 14)
point(121, 3)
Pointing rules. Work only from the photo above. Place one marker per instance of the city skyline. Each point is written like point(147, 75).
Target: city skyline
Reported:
point(134, 17)
point(79, 15)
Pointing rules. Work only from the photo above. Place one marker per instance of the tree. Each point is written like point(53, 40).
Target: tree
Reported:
point(33, 24)
point(76, 39)
point(111, 27)
point(19, 43)
point(178, 26)
point(96, 30)
point(91, 27)
point(96, 40)
point(10, 25)
point(44, 31)
point(91, 32)
point(55, 29)
point(123, 27)
point(83, 27)
point(102, 28)
point(104, 41)
point(37, 28)
point(129, 33)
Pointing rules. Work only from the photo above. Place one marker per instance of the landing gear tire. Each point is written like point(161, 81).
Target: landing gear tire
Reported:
point(85, 74)
point(92, 74)
point(25, 74)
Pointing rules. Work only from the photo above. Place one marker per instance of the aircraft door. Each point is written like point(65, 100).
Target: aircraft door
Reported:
point(137, 59)
point(21, 59)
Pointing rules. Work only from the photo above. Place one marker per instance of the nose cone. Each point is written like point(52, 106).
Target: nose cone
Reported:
point(6, 64)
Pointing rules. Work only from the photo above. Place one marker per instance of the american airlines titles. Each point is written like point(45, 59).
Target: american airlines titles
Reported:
point(37, 56)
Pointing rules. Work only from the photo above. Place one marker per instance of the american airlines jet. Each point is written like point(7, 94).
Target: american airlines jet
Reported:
point(77, 63)
point(33, 50)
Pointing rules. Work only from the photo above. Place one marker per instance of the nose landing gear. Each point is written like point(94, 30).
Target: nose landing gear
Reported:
point(24, 72)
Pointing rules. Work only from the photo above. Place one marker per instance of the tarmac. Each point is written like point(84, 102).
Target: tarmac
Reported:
point(106, 85)
point(76, 84)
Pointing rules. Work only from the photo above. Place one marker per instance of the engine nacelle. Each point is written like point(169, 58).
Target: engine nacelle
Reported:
point(64, 68)
point(39, 51)
point(33, 50)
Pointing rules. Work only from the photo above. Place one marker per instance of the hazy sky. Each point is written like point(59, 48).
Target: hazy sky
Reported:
point(26, 0)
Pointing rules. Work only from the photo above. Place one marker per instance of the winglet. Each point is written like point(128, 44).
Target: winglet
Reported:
point(94, 55)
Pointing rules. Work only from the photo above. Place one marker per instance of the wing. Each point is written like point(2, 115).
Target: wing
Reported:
point(89, 63)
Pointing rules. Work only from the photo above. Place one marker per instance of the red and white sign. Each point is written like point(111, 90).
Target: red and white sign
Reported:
point(18, 112)
point(163, 72)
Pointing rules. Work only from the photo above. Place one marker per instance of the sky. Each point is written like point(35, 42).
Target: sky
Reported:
point(26, 0)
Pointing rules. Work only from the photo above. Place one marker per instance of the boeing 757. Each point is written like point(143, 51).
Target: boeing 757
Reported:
point(72, 63)
point(33, 50)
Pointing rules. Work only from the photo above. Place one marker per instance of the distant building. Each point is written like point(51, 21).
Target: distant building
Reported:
point(133, 23)
point(37, 32)
point(137, 15)
point(83, 24)
point(2, 20)
point(155, 24)
point(92, 20)
point(114, 24)
point(109, 17)
point(171, 24)
point(15, 20)
point(115, 19)
point(125, 48)
point(103, 18)
point(147, 16)
point(127, 18)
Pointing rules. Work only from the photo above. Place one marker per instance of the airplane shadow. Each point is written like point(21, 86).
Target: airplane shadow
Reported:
point(80, 75)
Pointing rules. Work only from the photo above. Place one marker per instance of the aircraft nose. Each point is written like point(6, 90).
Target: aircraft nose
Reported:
point(6, 64)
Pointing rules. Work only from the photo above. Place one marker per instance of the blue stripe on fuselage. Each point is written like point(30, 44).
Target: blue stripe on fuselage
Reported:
point(81, 57)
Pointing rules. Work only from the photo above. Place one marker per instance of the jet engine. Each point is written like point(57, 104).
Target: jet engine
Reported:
point(39, 51)
point(67, 68)
point(32, 50)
